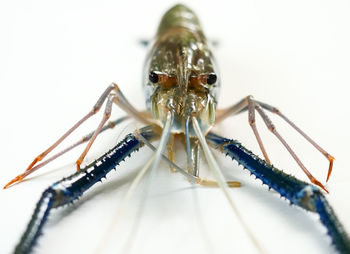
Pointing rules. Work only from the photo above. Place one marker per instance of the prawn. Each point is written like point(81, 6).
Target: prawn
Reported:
point(181, 87)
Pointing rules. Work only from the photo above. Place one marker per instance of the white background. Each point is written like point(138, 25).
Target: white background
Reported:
point(57, 58)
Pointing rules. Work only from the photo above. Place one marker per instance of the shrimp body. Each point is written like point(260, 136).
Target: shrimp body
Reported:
point(181, 89)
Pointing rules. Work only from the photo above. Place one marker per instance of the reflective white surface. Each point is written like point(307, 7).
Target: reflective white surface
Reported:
point(55, 61)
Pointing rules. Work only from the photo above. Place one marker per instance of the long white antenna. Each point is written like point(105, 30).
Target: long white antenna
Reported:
point(154, 160)
point(163, 139)
point(221, 181)
point(108, 233)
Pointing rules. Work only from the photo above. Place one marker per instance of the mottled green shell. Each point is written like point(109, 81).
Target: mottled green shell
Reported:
point(179, 16)
point(180, 49)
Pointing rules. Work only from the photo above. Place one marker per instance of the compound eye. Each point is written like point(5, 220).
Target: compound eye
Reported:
point(211, 78)
point(207, 79)
point(158, 77)
point(153, 77)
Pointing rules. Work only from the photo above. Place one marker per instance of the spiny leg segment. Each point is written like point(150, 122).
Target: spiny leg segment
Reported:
point(151, 163)
point(71, 188)
point(297, 192)
point(252, 105)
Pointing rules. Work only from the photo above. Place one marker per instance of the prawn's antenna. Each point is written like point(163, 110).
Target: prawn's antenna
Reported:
point(124, 202)
point(163, 139)
point(153, 161)
point(221, 181)
point(188, 146)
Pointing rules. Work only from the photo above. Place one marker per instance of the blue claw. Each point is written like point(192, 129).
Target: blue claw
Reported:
point(297, 192)
point(71, 188)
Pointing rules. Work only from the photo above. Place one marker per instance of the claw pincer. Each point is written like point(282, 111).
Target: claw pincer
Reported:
point(297, 192)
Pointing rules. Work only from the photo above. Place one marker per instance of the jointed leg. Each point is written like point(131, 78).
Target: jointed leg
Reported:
point(251, 118)
point(244, 104)
point(275, 110)
point(233, 110)
point(84, 139)
point(272, 128)
point(106, 116)
point(94, 110)
point(118, 98)
point(252, 105)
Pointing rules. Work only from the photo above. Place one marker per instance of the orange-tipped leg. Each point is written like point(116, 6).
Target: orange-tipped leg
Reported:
point(35, 161)
point(84, 139)
point(14, 180)
point(316, 182)
point(116, 97)
point(94, 110)
point(331, 159)
point(106, 116)
point(78, 163)
point(272, 128)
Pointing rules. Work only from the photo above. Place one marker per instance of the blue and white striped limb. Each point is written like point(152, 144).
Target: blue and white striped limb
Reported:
point(71, 188)
point(297, 192)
